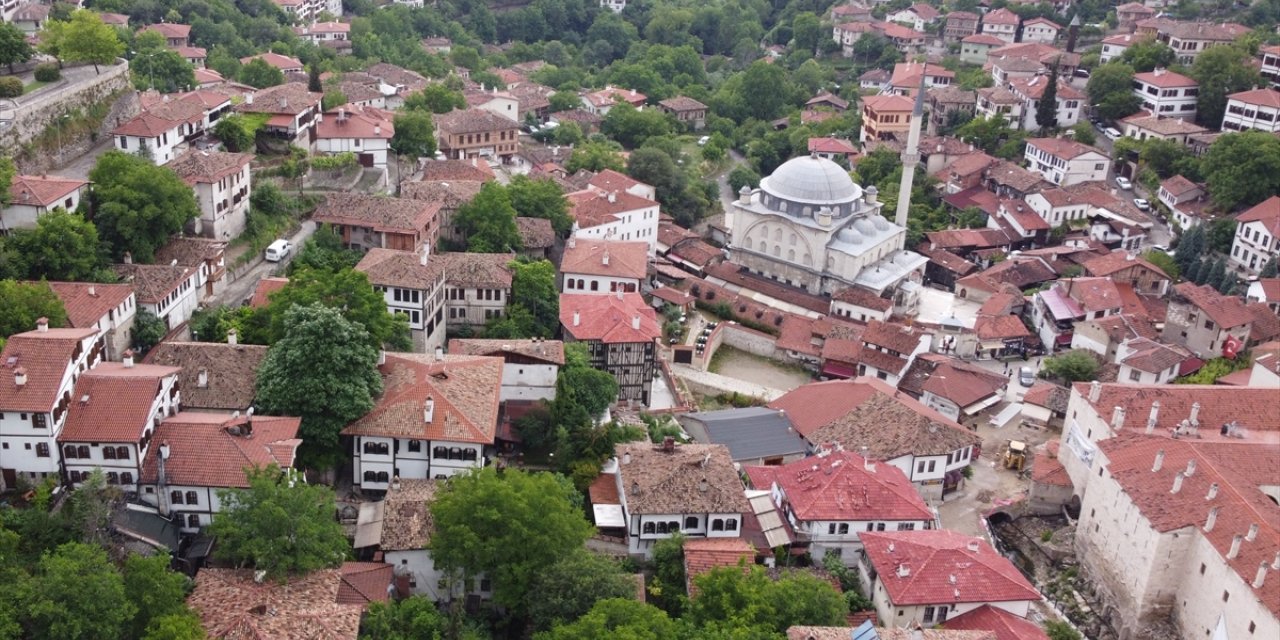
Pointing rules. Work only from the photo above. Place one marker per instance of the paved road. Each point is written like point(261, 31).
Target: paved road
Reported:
point(241, 288)
point(82, 165)
point(727, 196)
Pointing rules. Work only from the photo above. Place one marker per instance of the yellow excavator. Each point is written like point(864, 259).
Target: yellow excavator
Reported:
point(1015, 456)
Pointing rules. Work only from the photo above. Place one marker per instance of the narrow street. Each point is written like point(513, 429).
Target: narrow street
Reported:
point(239, 289)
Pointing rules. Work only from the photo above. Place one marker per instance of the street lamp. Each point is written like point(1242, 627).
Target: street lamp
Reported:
point(151, 77)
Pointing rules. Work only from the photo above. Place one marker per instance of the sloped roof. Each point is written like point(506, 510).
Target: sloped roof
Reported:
point(356, 121)
point(364, 582)
point(1063, 148)
point(943, 566)
point(704, 554)
point(400, 215)
point(608, 318)
point(1254, 408)
point(1267, 212)
point(233, 606)
point(44, 357)
point(203, 451)
point(1227, 311)
point(208, 166)
point(464, 391)
point(841, 485)
point(591, 209)
point(1005, 625)
point(663, 482)
point(152, 282)
point(404, 269)
point(86, 302)
point(281, 62)
point(682, 103)
point(1259, 97)
point(407, 523)
point(230, 372)
point(290, 98)
point(475, 270)
point(43, 191)
point(1115, 261)
point(551, 351)
point(473, 120)
point(1001, 16)
point(749, 433)
point(112, 402)
point(611, 258)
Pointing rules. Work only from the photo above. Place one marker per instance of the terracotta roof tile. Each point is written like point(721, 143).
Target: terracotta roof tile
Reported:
point(546, 350)
point(1163, 125)
point(604, 489)
point(592, 209)
point(473, 121)
point(1253, 408)
point(464, 391)
point(608, 318)
point(963, 383)
point(281, 62)
point(1151, 356)
point(609, 96)
point(450, 194)
point(1002, 326)
point(605, 258)
point(407, 523)
point(704, 554)
point(112, 402)
point(265, 287)
point(152, 282)
point(86, 302)
point(44, 357)
point(208, 166)
point(229, 372)
point(535, 233)
point(682, 103)
point(1227, 311)
point(44, 191)
point(840, 485)
point(203, 453)
point(943, 567)
point(862, 298)
point(901, 338)
point(364, 582)
point(660, 482)
point(290, 98)
point(405, 269)
point(1005, 625)
point(1259, 97)
point(168, 29)
point(401, 215)
point(1001, 16)
point(890, 633)
point(233, 606)
point(1063, 148)
point(1266, 325)
point(1267, 212)
point(365, 123)
point(456, 170)
point(1093, 294)
point(475, 270)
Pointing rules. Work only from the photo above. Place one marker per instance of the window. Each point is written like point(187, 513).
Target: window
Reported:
point(440, 453)
point(871, 526)
point(1208, 324)
point(1226, 595)
point(691, 522)
point(879, 526)
point(175, 497)
point(193, 497)
point(942, 614)
point(383, 476)
point(69, 451)
point(469, 454)
point(415, 446)
point(455, 453)
point(906, 526)
point(122, 453)
point(193, 521)
point(109, 453)
point(40, 421)
point(932, 465)
point(730, 525)
point(126, 478)
point(42, 450)
point(113, 477)
point(928, 614)
point(717, 525)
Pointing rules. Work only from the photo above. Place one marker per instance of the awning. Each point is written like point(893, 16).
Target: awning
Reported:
point(608, 515)
point(1064, 339)
point(989, 401)
point(838, 369)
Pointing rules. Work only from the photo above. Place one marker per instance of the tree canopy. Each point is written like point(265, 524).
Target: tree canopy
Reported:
point(1110, 87)
point(280, 525)
point(509, 525)
point(259, 74)
point(21, 304)
point(749, 598)
point(1220, 72)
point(81, 596)
point(570, 587)
point(488, 222)
point(1234, 165)
point(85, 38)
point(540, 198)
point(415, 135)
point(14, 47)
point(347, 291)
point(323, 370)
point(1077, 365)
point(533, 310)
point(62, 246)
point(137, 205)
point(620, 618)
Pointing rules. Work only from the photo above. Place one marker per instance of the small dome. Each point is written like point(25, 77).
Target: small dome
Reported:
point(865, 227)
point(811, 180)
point(849, 235)
point(880, 222)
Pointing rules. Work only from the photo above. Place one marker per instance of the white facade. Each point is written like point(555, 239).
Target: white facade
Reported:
point(528, 381)
point(501, 104)
point(120, 461)
point(423, 309)
point(644, 531)
point(1253, 247)
point(935, 614)
point(1068, 111)
point(474, 306)
point(909, 17)
point(192, 507)
point(1242, 115)
point(163, 147)
point(1167, 94)
point(1086, 167)
point(377, 147)
point(376, 460)
point(585, 283)
point(1039, 31)
point(1006, 32)
point(615, 6)
point(19, 215)
point(224, 204)
point(634, 224)
point(177, 307)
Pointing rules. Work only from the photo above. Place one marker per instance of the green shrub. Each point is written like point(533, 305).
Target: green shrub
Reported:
point(48, 72)
point(10, 87)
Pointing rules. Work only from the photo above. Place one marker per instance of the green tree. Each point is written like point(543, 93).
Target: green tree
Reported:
point(1220, 234)
point(541, 198)
point(1221, 71)
point(236, 132)
point(1047, 107)
point(534, 309)
point(1164, 262)
point(21, 304)
point(148, 331)
point(1236, 169)
point(324, 371)
point(1110, 87)
point(435, 98)
point(619, 618)
point(1146, 55)
point(489, 221)
point(1212, 277)
point(332, 99)
point(52, 37)
point(164, 70)
point(14, 47)
point(78, 595)
point(991, 134)
point(314, 84)
point(154, 590)
point(509, 525)
point(7, 172)
point(138, 206)
point(86, 39)
point(631, 126)
point(654, 167)
point(258, 74)
point(564, 101)
point(347, 291)
point(1270, 269)
point(570, 587)
point(324, 251)
point(415, 618)
point(415, 135)
point(183, 626)
point(580, 386)
point(1077, 365)
point(742, 175)
point(596, 156)
point(750, 599)
point(806, 30)
point(1060, 630)
point(668, 586)
point(280, 524)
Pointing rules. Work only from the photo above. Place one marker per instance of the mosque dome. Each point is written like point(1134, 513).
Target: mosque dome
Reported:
point(810, 180)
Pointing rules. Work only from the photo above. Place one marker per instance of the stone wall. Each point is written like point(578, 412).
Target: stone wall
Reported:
point(25, 121)
point(749, 340)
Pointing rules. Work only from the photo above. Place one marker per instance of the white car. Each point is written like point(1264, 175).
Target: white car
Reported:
point(1112, 133)
point(1142, 204)
point(1123, 183)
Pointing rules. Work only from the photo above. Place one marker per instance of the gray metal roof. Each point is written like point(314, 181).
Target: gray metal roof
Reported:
point(812, 180)
point(749, 433)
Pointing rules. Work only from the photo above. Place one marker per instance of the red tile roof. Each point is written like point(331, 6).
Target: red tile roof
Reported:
point(551, 351)
point(608, 318)
point(1238, 468)
point(1259, 97)
point(1115, 261)
point(472, 121)
point(112, 402)
point(1001, 16)
point(963, 383)
point(397, 215)
point(704, 554)
point(1005, 625)
point(1048, 470)
point(208, 166)
point(862, 298)
point(464, 391)
point(364, 582)
point(609, 96)
point(604, 489)
point(234, 606)
point(1044, 21)
point(290, 98)
point(841, 486)
point(605, 258)
point(831, 145)
point(592, 209)
point(281, 62)
point(997, 327)
point(44, 191)
point(44, 357)
point(169, 29)
point(86, 303)
point(1253, 408)
point(682, 103)
point(1267, 212)
point(890, 335)
point(203, 453)
point(1227, 311)
point(657, 482)
point(943, 567)
point(145, 125)
point(983, 38)
point(265, 287)
point(362, 122)
point(228, 372)
point(1062, 148)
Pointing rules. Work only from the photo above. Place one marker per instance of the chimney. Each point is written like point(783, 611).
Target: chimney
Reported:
point(668, 444)
point(744, 195)
point(233, 337)
point(422, 257)
point(1253, 533)
point(93, 291)
point(377, 129)
point(573, 242)
point(1177, 483)
point(613, 196)
point(1275, 564)
point(904, 570)
point(626, 458)
point(1159, 461)
point(1213, 492)
point(1195, 412)
point(635, 322)
point(1261, 576)
point(429, 409)
point(1151, 419)
point(42, 324)
point(1117, 418)
point(1191, 468)
point(1095, 391)
point(20, 377)
point(604, 259)
point(202, 378)
point(974, 545)
point(439, 354)
point(382, 357)
point(1213, 519)
point(577, 318)
point(703, 485)
point(1235, 546)
point(128, 358)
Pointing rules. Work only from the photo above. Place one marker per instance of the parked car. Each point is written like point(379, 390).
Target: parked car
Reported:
point(1142, 204)
point(1081, 73)
point(1123, 183)
point(278, 250)
point(1026, 377)
point(1159, 247)
point(1112, 133)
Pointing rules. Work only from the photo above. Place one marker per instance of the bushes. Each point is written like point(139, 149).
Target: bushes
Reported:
point(48, 72)
point(10, 87)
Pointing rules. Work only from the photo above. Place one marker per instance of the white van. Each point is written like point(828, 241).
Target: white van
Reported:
point(279, 250)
